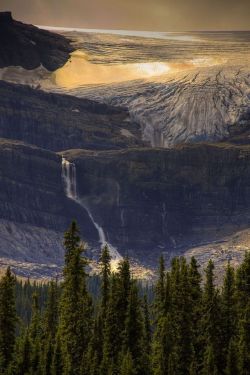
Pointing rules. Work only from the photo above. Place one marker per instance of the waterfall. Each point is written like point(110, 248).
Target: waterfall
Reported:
point(69, 181)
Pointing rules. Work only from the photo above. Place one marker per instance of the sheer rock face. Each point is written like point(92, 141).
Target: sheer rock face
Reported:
point(152, 201)
point(148, 201)
point(58, 122)
point(34, 210)
point(29, 47)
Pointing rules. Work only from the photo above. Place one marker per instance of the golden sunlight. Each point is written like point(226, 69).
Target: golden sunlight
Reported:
point(79, 71)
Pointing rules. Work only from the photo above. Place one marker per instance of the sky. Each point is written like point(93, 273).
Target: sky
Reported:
point(148, 15)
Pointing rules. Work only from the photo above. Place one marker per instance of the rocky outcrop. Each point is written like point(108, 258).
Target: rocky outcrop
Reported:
point(29, 47)
point(150, 201)
point(147, 201)
point(34, 209)
point(58, 122)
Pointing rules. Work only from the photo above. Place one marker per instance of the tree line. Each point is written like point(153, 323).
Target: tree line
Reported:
point(191, 327)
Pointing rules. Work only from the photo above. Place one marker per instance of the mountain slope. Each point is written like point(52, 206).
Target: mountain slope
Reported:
point(29, 47)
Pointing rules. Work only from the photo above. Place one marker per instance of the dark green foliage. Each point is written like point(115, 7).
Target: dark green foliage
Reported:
point(188, 327)
point(127, 366)
point(75, 305)
point(7, 319)
point(232, 360)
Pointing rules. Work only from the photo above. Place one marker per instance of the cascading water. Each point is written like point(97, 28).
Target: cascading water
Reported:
point(69, 181)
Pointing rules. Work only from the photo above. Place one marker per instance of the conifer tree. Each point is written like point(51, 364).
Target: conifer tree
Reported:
point(23, 355)
point(133, 332)
point(51, 311)
point(57, 360)
point(127, 365)
point(244, 342)
point(35, 332)
point(209, 367)
point(105, 277)
point(112, 330)
point(232, 360)
point(162, 346)
point(160, 296)
point(75, 305)
point(229, 312)
point(8, 319)
point(243, 284)
point(211, 324)
point(146, 336)
point(195, 313)
point(47, 356)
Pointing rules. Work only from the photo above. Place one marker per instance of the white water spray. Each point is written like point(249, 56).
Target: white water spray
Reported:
point(69, 180)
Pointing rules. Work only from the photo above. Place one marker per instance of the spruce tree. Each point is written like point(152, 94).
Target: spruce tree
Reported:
point(211, 315)
point(209, 366)
point(162, 346)
point(160, 296)
point(35, 332)
point(147, 337)
point(229, 311)
point(133, 332)
point(51, 311)
point(57, 360)
point(195, 314)
point(127, 365)
point(244, 342)
point(8, 319)
point(105, 277)
point(112, 340)
point(23, 355)
point(75, 304)
point(182, 321)
point(232, 360)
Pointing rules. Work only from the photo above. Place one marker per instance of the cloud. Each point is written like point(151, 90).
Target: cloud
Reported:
point(162, 15)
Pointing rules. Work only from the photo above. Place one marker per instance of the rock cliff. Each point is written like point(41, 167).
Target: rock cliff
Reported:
point(152, 201)
point(29, 47)
point(58, 122)
point(34, 210)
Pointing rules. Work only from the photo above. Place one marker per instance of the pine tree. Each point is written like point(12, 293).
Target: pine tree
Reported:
point(8, 319)
point(229, 312)
point(35, 332)
point(195, 314)
point(127, 365)
point(209, 367)
point(112, 330)
point(92, 360)
point(232, 360)
point(243, 284)
point(116, 317)
point(211, 324)
point(57, 360)
point(133, 332)
point(147, 336)
point(160, 296)
point(105, 277)
point(23, 355)
point(47, 357)
point(244, 342)
point(51, 311)
point(162, 346)
point(75, 304)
